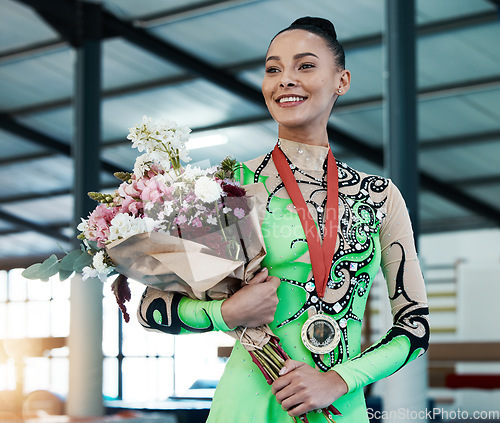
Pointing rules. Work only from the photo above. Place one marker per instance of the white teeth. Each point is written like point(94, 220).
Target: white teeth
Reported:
point(290, 99)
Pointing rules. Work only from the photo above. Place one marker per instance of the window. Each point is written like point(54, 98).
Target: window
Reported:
point(33, 309)
point(143, 366)
point(138, 366)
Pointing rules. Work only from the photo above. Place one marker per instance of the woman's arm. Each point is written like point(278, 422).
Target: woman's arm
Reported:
point(251, 306)
point(409, 336)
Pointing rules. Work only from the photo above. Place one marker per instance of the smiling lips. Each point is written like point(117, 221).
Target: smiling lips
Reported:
point(290, 99)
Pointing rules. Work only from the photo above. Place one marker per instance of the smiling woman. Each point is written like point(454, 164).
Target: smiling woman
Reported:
point(328, 229)
point(302, 82)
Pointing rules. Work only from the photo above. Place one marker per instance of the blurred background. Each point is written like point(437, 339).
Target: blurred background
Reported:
point(75, 75)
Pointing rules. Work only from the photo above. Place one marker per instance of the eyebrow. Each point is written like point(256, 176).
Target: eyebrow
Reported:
point(296, 57)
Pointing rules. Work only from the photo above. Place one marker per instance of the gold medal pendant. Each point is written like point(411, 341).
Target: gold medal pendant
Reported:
point(320, 333)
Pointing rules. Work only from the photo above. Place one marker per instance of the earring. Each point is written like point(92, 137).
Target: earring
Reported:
point(340, 91)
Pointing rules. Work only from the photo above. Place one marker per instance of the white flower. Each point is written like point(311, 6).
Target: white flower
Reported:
point(149, 224)
point(89, 272)
point(142, 165)
point(211, 220)
point(82, 225)
point(191, 173)
point(184, 155)
point(207, 190)
point(120, 226)
point(123, 226)
point(140, 134)
point(99, 263)
point(167, 208)
point(226, 210)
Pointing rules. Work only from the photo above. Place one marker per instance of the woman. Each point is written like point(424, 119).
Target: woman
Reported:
point(316, 312)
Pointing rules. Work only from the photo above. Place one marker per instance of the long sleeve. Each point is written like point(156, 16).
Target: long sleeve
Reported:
point(177, 314)
point(409, 336)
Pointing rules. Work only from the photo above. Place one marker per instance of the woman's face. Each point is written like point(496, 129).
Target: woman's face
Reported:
point(301, 83)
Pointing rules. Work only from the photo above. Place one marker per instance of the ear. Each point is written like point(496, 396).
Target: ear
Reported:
point(344, 83)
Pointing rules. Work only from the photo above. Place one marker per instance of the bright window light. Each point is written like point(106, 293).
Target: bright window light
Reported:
point(206, 141)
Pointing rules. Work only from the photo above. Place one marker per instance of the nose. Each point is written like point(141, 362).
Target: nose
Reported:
point(287, 80)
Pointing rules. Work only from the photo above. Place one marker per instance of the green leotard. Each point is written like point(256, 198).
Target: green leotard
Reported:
point(374, 231)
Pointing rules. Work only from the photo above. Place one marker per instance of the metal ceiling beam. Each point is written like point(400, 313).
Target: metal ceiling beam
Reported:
point(349, 44)
point(460, 141)
point(61, 16)
point(453, 224)
point(170, 52)
point(478, 182)
point(107, 94)
point(30, 226)
point(187, 12)
point(32, 50)
point(10, 125)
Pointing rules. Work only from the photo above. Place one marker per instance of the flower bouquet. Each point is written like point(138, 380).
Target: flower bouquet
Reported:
point(177, 229)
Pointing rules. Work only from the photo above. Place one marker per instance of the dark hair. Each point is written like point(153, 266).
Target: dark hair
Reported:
point(323, 28)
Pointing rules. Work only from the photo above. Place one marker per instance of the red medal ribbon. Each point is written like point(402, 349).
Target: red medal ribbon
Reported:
point(321, 255)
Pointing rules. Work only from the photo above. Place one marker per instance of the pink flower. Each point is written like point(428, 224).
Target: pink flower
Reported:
point(131, 206)
point(181, 219)
point(196, 222)
point(153, 191)
point(98, 226)
point(154, 170)
point(239, 213)
point(129, 190)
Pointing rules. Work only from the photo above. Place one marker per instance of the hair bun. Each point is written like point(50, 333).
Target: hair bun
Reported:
point(323, 24)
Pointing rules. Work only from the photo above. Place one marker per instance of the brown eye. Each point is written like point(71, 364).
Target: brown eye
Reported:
point(272, 70)
point(306, 66)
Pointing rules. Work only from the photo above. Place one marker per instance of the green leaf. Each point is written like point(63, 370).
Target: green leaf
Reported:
point(32, 272)
point(64, 274)
point(49, 267)
point(93, 245)
point(81, 262)
point(68, 260)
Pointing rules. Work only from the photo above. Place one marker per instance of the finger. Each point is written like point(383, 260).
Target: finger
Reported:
point(290, 404)
point(298, 410)
point(259, 277)
point(279, 384)
point(290, 366)
point(274, 280)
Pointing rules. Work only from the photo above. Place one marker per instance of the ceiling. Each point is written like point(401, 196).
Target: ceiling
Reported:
point(200, 63)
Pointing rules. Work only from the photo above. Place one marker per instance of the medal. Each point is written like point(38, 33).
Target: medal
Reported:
point(320, 333)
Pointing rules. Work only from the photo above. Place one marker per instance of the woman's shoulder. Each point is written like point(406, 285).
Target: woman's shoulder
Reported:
point(359, 180)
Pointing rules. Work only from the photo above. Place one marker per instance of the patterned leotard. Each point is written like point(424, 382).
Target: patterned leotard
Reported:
point(374, 231)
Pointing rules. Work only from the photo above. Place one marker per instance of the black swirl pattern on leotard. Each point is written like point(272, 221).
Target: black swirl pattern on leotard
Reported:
point(358, 228)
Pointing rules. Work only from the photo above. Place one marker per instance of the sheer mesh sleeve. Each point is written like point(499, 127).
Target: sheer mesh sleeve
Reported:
point(409, 336)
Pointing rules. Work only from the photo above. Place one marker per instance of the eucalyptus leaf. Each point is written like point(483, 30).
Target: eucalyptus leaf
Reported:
point(49, 267)
point(32, 272)
point(93, 245)
point(64, 274)
point(81, 262)
point(68, 261)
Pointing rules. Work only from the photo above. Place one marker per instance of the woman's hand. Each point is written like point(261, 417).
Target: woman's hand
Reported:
point(254, 304)
point(301, 388)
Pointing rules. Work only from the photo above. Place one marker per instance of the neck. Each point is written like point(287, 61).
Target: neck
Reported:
point(319, 137)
